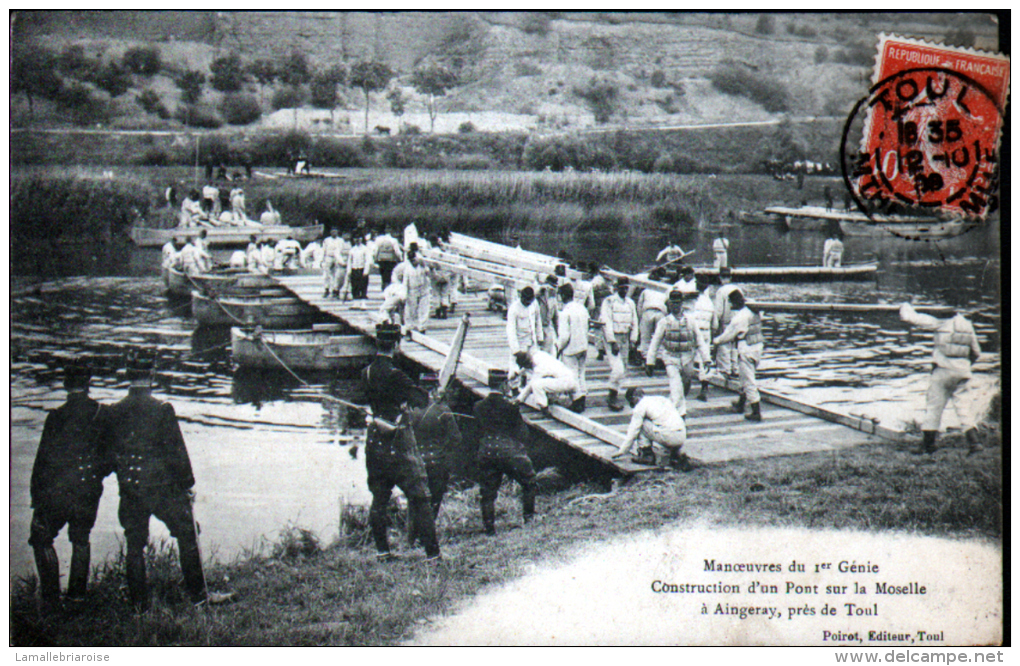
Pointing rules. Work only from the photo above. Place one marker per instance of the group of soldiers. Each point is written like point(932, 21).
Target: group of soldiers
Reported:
point(412, 432)
point(139, 439)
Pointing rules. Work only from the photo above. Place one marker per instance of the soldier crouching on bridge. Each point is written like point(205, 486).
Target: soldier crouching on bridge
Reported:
point(391, 452)
point(501, 450)
point(155, 479)
point(67, 482)
point(438, 437)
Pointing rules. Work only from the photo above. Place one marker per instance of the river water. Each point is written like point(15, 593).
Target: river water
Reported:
point(268, 453)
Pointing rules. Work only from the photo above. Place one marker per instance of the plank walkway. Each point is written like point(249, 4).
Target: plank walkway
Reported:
point(714, 432)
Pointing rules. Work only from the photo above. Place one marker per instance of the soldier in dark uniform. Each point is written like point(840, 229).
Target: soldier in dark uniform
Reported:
point(391, 452)
point(155, 479)
point(67, 481)
point(501, 450)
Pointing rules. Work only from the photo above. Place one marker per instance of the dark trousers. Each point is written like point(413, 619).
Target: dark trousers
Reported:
point(499, 455)
point(393, 460)
point(172, 506)
point(386, 272)
point(79, 514)
point(359, 283)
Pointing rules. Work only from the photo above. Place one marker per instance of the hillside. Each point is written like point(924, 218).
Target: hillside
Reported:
point(524, 71)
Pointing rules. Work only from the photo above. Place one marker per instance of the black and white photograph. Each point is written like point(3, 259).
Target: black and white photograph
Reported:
point(508, 328)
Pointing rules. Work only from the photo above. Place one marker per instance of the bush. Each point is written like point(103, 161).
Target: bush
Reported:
point(196, 115)
point(142, 60)
point(821, 54)
point(536, 23)
point(337, 153)
point(470, 163)
point(410, 129)
point(280, 149)
point(601, 97)
point(151, 103)
point(766, 25)
point(859, 54)
point(288, 97)
point(228, 74)
point(734, 79)
point(466, 127)
point(190, 82)
point(658, 79)
point(240, 109)
point(663, 164)
point(155, 157)
point(113, 79)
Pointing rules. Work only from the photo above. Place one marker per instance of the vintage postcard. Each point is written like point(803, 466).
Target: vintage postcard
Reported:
point(549, 328)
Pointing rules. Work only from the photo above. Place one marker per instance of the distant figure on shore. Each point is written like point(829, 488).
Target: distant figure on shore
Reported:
point(721, 248)
point(155, 479)
point(170, 195)
point(956, 349)
point(828, 198)
point(671, 253)
point(67, 482)
point(270, 217)
point(237, 206)
point(211, 201)
point(832, 251)
point(655, 420)
point(191, 210)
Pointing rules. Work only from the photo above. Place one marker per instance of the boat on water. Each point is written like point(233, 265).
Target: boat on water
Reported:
point(274, 312)
point(228, 281)
point(308, 350)
point(798, 273)
point(225, 235)
point(856, 223)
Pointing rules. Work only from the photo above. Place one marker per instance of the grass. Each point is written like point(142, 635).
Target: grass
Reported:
point(299, 593)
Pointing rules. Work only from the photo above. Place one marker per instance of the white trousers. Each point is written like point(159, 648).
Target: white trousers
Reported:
point(543, 386)
point(577, 363)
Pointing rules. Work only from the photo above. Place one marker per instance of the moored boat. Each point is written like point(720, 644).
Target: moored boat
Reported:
point(857, 271)
point(225, 235)
point(275, 312)
point(227, 281)
point(855, 223)
point(314, 350)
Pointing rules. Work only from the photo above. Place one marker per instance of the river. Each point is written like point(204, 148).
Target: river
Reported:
point(268, 453)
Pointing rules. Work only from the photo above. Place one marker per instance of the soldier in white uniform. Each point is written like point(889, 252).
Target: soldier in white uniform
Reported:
point(620, 327)
point(956, 348)
point(745, 330)
point(677, 341)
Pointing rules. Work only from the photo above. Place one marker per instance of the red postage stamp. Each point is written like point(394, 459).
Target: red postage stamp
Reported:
point(932, 123)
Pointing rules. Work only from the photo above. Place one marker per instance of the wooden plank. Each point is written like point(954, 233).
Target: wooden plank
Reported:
point(453, 357)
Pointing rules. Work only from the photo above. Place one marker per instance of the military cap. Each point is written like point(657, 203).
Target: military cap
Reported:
point(676, 296)
point(140, 363)
point(497, 377)
point(622, 281)
point(77, 371)
point(387, 332)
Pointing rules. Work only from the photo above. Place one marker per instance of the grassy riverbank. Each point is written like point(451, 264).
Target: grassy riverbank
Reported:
point(302, 594)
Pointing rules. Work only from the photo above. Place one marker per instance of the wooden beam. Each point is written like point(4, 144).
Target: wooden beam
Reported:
point(861, 423)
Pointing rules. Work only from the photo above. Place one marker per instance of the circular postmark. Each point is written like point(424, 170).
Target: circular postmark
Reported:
point(927, 164)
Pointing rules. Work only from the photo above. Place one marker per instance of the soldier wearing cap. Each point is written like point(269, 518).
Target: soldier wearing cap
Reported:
point(725, 353)
point(501, 450)
point(67, 482)
point(677, 341)
point(391, 451)
point(155, 479)
point(438, 437)
point(620, 325)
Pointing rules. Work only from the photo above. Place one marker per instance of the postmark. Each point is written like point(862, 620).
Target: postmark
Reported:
point(927, 163)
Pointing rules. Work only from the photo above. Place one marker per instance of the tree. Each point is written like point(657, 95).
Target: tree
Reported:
point(370, 76)
point(398, 101)
point(601, 97)
point(433, 79)
point(143, 60)
point(190, 83)
point(228, 73)
point(33, 73)
point(766, 24)
point(240, 108)
point(263, 71)
point(294, 71)
point(114, 79)
point(323, 94)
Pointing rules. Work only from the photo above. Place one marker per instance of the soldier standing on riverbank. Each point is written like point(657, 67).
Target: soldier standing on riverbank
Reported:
point(391, 451)
point(155, 479)
point(956, 348)
point(67, 482)
point(501, 450)
point(438, 437)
